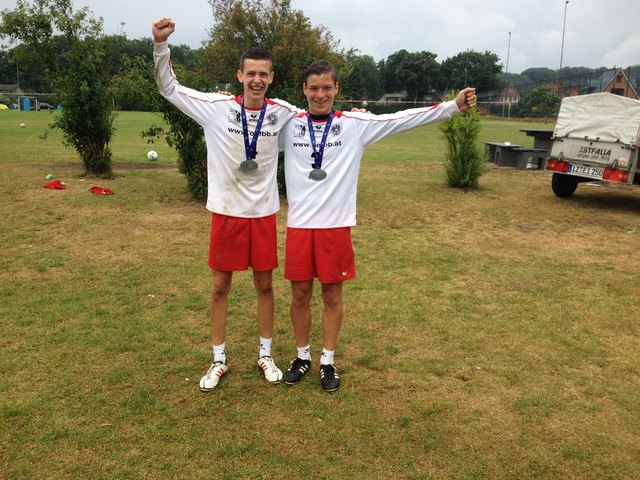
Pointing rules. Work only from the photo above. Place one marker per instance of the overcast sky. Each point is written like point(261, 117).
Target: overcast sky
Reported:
point(597, 33)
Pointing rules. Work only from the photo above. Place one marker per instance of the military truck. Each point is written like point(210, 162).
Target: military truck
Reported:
point(596, 138)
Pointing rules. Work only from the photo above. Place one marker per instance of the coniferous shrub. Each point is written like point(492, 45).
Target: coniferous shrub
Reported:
point(465, 157)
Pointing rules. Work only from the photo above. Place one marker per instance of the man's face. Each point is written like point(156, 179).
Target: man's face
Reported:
point(255, 77)
point(320, 91)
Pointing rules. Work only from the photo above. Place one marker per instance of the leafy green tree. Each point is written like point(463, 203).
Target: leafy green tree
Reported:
point(30, 77)
point(417, 74)
point(8, 67)
point(274, 26)
point(382, 69)
point(360, 78)
point(466, 159)
point(389, 71)
point(471, 68)
point(541, 101)
point(87, 117)
point(79, 72)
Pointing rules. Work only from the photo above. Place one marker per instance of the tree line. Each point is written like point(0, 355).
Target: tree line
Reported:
point(291, 37)
point(417, 74)
point(64, 51)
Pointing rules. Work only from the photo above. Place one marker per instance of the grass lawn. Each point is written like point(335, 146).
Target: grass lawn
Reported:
point(491, 334)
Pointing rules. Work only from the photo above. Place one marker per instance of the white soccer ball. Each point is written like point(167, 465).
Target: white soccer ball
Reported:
point(23, 125)
point(152, 155)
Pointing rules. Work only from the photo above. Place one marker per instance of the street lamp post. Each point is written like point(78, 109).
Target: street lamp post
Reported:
point(508, 51)
point(506, 71)
point(564, 24)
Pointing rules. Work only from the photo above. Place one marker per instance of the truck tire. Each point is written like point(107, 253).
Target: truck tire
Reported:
point(563, 185)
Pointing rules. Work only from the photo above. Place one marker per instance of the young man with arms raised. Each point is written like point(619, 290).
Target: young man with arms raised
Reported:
point(241, 134)
point(323, 150)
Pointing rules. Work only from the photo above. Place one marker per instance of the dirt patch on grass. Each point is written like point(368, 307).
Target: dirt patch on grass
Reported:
point(116, 166)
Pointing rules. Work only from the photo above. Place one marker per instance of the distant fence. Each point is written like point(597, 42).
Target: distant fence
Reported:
point(16, 101)
point(379, 107)
point(511, 110)
point(486, 108)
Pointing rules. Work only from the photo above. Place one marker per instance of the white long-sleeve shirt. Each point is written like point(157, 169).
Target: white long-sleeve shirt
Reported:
point(231, 191)
point(331, 202)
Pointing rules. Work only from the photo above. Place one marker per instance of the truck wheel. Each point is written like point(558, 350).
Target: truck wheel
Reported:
point(563, 185)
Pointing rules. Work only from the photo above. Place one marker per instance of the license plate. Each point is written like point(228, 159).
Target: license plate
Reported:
point(586, 171)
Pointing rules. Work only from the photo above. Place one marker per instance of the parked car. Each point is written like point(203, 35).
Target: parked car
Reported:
point(46, 106)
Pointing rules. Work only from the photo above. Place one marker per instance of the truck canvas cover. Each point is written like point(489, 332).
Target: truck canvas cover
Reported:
point(603, 116)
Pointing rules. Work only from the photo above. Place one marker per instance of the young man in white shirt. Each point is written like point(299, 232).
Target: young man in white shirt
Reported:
point(241, 134)
point(323, 150)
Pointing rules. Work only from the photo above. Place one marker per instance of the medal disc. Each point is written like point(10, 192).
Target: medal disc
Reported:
point(317, 174)
point(248, 166)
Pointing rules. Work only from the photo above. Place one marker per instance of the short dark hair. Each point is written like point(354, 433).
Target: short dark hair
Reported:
point(256, 53)
point(321, 67)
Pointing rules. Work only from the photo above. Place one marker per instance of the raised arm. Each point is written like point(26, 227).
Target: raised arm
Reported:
point(197, 105)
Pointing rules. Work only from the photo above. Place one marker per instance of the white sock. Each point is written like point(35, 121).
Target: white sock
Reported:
point(265, 347)
point(304, 353)
point(218, 353)
point(327, 357)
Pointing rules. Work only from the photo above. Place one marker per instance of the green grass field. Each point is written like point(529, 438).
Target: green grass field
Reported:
point(491, 334)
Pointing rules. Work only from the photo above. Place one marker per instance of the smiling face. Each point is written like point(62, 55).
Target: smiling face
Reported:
point(320, 91)
point(255, 76)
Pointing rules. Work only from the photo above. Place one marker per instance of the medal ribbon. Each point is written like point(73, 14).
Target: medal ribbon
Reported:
point(319, 153)
point(250, 148)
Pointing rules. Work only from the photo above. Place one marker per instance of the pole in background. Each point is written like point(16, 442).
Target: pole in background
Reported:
point(508, 51)
point(506, 71)
point(564, 24)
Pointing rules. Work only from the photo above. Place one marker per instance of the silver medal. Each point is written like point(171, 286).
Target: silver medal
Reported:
point(248, 166)
point(317, 174)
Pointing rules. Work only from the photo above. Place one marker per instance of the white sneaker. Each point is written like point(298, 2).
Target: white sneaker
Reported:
point(271, 372)
point(212, 377)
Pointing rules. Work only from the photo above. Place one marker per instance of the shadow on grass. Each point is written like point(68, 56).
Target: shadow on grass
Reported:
point(610, 200)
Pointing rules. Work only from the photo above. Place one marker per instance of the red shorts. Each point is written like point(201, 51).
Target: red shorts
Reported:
point(325, 253)
point(239, 243)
